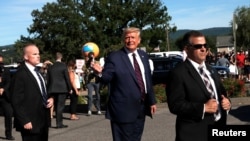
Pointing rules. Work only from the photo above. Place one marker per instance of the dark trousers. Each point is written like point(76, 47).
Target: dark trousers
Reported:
point(42, 136)
point(73, 102)
point(8, 113)
point(129, 131)
point(59, 100)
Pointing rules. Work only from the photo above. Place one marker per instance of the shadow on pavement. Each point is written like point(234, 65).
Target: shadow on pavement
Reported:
point(242, 113)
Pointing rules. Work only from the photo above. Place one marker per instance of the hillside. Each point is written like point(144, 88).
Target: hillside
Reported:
point(7, 46)
point(216, 31)
point(9, 52)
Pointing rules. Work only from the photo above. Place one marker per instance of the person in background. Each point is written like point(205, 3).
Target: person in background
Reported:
point(210, 56)
point(196, 105)
point(131, 95)
point(233, 68)
point(240, 63)
point(59, 86)
point(223, 61)
point(30, 100)
point(44, 69)
point(5, 78)
point(75, 84)
point(213, 61)
point(92, 84)
point(247, 67)
point(151, 64)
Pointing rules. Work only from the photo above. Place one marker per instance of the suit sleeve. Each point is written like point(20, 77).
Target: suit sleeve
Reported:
point(18, 98)
point(6, 82)
point(180, 98)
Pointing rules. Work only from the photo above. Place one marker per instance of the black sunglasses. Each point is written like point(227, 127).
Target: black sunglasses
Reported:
point(199, 46)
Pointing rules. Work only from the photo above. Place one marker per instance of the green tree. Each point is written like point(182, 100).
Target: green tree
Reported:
point(66, 25)
point(242, 19)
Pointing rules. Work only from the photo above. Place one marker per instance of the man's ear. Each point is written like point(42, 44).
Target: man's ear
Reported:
point(25, 57)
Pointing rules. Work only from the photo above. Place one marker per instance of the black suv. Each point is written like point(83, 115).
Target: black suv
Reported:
point(162, 65)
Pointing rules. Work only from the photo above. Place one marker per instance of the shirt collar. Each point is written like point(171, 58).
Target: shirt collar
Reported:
point(196, 65)
point(30, 67)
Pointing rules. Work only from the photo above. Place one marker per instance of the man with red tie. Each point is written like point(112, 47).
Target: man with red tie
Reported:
point(131, 95)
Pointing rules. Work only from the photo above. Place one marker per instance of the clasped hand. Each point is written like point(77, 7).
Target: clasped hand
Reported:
point(211, 106)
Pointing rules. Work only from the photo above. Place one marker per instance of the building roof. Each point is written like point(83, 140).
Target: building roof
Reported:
point(224, 41)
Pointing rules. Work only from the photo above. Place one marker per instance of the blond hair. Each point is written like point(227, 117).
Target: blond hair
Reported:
point(131, 30)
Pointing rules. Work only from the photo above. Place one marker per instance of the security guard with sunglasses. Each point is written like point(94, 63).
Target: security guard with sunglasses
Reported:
point(195, 103)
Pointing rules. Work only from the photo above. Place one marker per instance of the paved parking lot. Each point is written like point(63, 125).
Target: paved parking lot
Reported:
point(160, 128)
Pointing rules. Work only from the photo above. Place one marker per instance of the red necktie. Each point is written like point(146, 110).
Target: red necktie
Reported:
point(139, 76)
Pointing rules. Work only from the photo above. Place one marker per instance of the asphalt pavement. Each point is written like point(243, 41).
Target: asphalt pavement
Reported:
point(160, 128)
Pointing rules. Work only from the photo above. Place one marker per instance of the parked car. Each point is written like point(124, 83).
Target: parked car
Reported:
point(162, 65)
point(12, 68)
point(223, 71)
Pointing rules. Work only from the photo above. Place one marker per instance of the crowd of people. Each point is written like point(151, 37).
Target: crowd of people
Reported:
point(238, 64)
point(195, 93)
point(36, 94)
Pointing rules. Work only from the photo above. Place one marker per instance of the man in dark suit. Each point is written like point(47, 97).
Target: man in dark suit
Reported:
point(5, 77)
point(130, 99)
point(195, 105)
point(59, 86)
point(31, 108)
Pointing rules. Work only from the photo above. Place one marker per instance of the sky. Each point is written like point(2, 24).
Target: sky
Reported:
point(186, 14)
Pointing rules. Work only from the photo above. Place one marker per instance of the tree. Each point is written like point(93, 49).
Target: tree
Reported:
point(242, 19)
point(56, 28)
point(66, 25)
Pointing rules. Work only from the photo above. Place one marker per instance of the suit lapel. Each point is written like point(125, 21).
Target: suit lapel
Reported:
point(196, 76)
point(143, 59)
point(129, 65)
point(32, 78)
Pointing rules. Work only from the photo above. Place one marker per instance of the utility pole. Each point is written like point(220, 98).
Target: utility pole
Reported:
point(234, 31)
point(167, 39)
point(234, 36)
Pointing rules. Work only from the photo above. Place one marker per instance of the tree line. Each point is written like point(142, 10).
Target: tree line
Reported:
point(66, 25)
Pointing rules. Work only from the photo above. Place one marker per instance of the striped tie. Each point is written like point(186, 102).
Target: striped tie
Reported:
point(206, 81)
point(208, 84)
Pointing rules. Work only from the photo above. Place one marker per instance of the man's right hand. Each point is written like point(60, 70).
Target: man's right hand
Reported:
point(28, 126)
point(97, 67)
point(211, 106)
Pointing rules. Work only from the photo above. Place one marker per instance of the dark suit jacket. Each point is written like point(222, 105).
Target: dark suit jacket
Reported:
point(186, 95)
point(58, 79)
point(27, 101)
point(125, 96)
point(5, 83)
